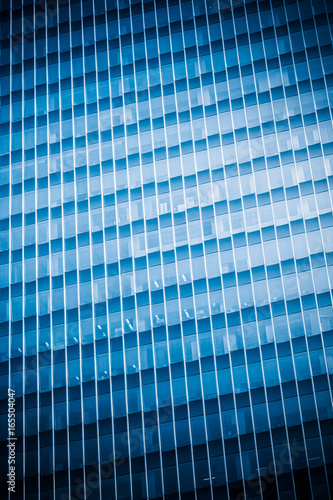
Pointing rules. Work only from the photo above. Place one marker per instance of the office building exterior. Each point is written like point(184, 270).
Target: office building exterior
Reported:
point(166, 253)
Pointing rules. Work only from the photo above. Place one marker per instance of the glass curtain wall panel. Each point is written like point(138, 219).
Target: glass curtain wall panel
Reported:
point(166, 251)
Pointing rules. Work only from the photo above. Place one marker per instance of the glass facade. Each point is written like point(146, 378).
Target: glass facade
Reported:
point(166, 253)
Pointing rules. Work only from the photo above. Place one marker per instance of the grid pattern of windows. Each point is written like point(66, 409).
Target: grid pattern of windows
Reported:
point(166, 252)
